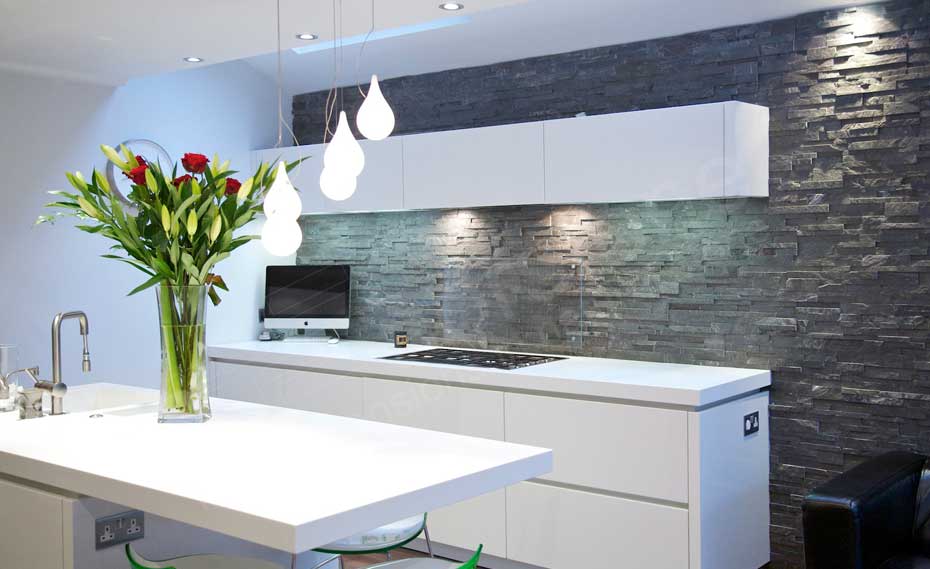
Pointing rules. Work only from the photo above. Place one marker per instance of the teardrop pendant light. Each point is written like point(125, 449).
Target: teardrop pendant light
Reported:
point(282, 200)
point(344, 154)
point(375, 118)
point(281, 234)
point(336, 185)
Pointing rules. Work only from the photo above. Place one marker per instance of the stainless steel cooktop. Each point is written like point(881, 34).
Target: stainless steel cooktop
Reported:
point(474, 358)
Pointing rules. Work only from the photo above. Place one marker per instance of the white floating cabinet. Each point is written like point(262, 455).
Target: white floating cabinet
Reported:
point(716, 150)
point(682, 153)
point(491, 166)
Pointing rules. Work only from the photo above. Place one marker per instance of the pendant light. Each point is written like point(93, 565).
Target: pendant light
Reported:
point(375, 118)
point(336, 185)
point(281, 237)
point(344, 154)
point(281, 234)
point(282, 201)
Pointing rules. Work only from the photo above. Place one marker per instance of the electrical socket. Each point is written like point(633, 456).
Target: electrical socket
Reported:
point(118, 529)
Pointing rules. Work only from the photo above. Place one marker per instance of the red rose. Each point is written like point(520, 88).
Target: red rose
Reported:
point(137, 174)
point(232, 186)
point(194, 163)
point(140, 160)
point(181, 179)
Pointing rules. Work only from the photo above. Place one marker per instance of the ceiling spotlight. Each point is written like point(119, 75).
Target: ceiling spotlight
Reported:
point(193, 59)
point(452, 6)
point(307, 37)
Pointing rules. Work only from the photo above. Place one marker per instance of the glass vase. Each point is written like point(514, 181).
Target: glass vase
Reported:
point(182, 317)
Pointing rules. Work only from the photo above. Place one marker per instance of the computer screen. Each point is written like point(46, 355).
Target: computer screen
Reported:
point(307, 292)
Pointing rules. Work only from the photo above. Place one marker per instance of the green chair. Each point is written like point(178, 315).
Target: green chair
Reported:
point(382, 539)
point(136, 561)
point(427, 563)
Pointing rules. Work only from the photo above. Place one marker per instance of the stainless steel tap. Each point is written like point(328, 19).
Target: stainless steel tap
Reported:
point(56, 351)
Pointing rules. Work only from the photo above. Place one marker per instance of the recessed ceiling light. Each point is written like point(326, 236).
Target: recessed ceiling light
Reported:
point(193, 59)
point(307, 37)
point(452, 6)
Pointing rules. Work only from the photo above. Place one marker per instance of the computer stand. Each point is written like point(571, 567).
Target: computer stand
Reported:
point(321, 338)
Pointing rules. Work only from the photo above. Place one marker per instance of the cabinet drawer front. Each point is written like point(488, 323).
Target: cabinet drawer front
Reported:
point(620, 448)
point(296, 389)
point(559, 528)
point(468, 523)
point(30, 528)
point(471, 412)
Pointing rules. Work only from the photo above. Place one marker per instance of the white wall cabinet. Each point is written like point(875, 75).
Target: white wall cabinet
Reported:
point(498, 165)
point(681, 153)
point(716, 150)
point(662, 154)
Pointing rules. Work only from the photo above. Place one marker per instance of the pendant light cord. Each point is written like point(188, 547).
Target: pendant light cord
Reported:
point(361, 52)
point(331, 96)
point(280, 82)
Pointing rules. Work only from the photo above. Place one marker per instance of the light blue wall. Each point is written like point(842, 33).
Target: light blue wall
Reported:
point(50, 126)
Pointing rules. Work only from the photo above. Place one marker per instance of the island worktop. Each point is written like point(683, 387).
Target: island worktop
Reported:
point(680, 385)
point(262, 473)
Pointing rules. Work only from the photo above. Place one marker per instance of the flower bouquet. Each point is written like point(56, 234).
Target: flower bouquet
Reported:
point(174, 227)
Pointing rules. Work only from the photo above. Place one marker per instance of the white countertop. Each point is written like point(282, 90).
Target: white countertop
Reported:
point(291, 480)
point(625, 380)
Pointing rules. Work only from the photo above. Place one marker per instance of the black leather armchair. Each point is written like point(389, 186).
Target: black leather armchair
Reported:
point(873, 517)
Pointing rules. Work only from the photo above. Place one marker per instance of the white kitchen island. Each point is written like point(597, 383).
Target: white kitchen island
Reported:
point(654, 463)
point(259, 473)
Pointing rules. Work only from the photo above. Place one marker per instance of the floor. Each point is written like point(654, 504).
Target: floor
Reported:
point(362, 561)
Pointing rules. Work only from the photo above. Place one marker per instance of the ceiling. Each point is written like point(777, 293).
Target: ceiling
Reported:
point(111, 41)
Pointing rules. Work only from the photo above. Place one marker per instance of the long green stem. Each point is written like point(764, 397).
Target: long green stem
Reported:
point(168, 329)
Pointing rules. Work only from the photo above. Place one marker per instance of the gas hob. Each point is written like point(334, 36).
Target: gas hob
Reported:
point(474, 358)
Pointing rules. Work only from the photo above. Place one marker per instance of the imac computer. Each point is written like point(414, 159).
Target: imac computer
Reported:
point(307, 297)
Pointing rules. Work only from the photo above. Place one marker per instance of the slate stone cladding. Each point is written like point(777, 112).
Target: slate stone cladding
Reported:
point(827, 282)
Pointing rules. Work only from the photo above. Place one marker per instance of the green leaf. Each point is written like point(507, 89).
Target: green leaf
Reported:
point(147, 284)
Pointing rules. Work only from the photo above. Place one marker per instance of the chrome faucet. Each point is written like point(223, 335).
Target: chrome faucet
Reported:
point(56, 351)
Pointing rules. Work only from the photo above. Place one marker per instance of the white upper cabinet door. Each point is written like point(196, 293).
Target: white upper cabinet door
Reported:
point(500, 165)
point(655, 155)
point(746, 132)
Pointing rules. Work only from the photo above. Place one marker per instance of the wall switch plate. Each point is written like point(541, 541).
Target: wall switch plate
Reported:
point(751, 424)
point(119, 529)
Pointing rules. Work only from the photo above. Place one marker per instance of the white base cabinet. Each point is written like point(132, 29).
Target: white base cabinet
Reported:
point(632, 485)
point(562, 528)
point(31, 523)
